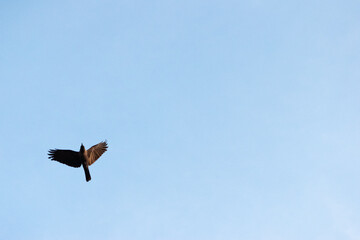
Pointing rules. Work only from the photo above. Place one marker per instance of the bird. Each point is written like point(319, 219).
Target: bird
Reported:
point(83, 157)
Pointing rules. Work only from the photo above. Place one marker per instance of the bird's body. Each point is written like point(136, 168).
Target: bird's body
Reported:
point(83, 157)
point(84, 161)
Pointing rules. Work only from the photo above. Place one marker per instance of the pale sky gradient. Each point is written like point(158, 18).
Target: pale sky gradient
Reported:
point(224, 119)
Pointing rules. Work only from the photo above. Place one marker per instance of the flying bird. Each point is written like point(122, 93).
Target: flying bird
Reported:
point(83, 157)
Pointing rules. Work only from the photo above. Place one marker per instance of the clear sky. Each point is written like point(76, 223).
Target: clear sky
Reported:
point(224, 119)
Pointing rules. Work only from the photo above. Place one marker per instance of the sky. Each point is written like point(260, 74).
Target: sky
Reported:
point(224, 119)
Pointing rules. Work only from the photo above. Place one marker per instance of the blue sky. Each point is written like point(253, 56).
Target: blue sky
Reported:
point(225, 119)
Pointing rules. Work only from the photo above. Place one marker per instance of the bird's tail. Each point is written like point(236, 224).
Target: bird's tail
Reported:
point(87, 173)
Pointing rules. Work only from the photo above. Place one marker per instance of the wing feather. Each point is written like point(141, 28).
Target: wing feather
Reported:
point(68, 157)
point(96, 151)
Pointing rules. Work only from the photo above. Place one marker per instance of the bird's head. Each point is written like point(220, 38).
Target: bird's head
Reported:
point(82, 148)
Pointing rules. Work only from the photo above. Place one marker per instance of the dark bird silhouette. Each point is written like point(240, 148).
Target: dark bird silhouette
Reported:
point(83, 157)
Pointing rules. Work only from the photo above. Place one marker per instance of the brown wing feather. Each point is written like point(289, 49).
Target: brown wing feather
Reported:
point(96, 151)
point(67, 157)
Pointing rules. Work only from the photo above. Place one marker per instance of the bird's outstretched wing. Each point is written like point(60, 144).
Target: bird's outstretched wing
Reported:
point(67, 157)
point(96, 151)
